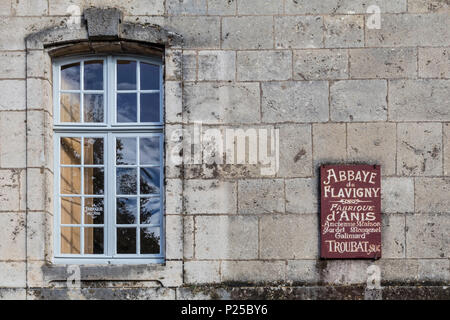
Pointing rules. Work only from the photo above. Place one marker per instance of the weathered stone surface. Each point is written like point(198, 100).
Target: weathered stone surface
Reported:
point(173, 102)
point(260, 196)
point(189, 65)
point(329, 143)
point(434, 63)
point(410, 30)
point(345, 272)
point(298, 101)
point(216, 65)
point(39, 65)
point(432, 195)
point(13, 294)
point(174, 65)
point(397, 195)
point(358, 100)
point(264, 65)
point(174, 196)
point(222, 103)
point(30, 8)
point(39, 95)
point(210, 196)
point(419, 100)
point(419, 150)
point(13, 274)
point(302, 195)
point(298, 32)
point(302, 271)
point(12, 238)
point(103, 23)
point(186, 7)
point(221, 237)
point(12, 65)
point(446, 139)
point(11, 186)
point(296, 147)
point(194, 32)
point(5, 8)
point(220, 7)
point(259, 7)
point(174, 237)
point(13, 95)
point(427, 236)
point(253, 271)
point(202, 272)
point(283, 236)
point(39, 236)
point(131, 7)
point(188, 237)
point(425, 6)
point(247, 32)
point(372, 143)
point(323, 64)
point(12, 139)
point(342, 6)
point(344, 31)
point(393, 236)
point(383, 63)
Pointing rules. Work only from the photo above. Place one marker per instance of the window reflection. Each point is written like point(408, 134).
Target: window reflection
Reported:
point(150, 240)
point(150, 107)
point(149, 76)
point(70, 107)
point(93, 240)
point(126, 211)
point(126, 75)
point(126, 181)
point(149, 180)
point(126, 240)
point(150, 210)
point(126, 151)
point(93, 150)
point(127, 107)
point(93, 75)
point(70, 77)
point(93, 108)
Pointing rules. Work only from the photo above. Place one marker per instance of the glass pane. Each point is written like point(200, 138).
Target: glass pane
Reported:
point(150, 209)
point(70, 107)
point(93, 75)
point(126, 107)
point(70, 210)
point(126, 75)
point(94, 211)
point(126, 181)
point(70, 77)
point(70, 180)
point(71, 151)
point(126, 240)
point(126, 211)
point(70, 240)
point(94, 180)
point(150, 240)
point(150, 107)
point(149, 150)
point(149, 76)
point(149, 180)
point(93, 150)
point(126, 151)
point(93, 108)
point(93, 240)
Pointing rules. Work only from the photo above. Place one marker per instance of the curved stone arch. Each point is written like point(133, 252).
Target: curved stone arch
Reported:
point(102, 31)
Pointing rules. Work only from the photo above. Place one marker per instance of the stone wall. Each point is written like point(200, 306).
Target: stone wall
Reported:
point(337, 90)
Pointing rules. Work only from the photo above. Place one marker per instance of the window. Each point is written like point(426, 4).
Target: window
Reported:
point(108, 160)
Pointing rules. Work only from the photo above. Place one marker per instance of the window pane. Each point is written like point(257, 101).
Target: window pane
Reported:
point(70, 210)
point(93, 240)
point(126, 75)
point(149, 180)
point(149, 150)
point(126, 181)
point(126, 151)
point(93, 108)
point(70, 240)
point(126, 211)
point(93, 75)
point(126, 240)
point(70, 180)
point(149, 76)
point(94, 180)
point(150, 240)
point(70, 107)
point(150, 209)
point(150, 107)
point(70, 77)
point(127, 107)
point(93, 150)
point(94, 211)
point(71, 151)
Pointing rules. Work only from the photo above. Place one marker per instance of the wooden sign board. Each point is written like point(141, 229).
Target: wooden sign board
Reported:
point(350, 201)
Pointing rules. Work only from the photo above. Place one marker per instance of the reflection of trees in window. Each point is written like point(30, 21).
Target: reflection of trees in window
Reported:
point(126, 240)
point(149, 241)
point(126, 211)
point(71, 149)
point(149, 181)
point(126, 181)
point(119, 151)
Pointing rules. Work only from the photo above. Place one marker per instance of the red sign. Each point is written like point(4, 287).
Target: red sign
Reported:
point(350, 225)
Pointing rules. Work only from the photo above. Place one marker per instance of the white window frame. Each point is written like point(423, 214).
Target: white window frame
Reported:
point(109, 130)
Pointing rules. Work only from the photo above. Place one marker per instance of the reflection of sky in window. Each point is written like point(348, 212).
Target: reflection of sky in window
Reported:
point(127, 107)
point(126, 75)
point(149, 150)
point(150, 107)
point(149, 180)
point(70, 77)
point(126, 151)
point(93, 75)
point(93, 108)
point(126, 211)
point(149, 77)
point(149, 212)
